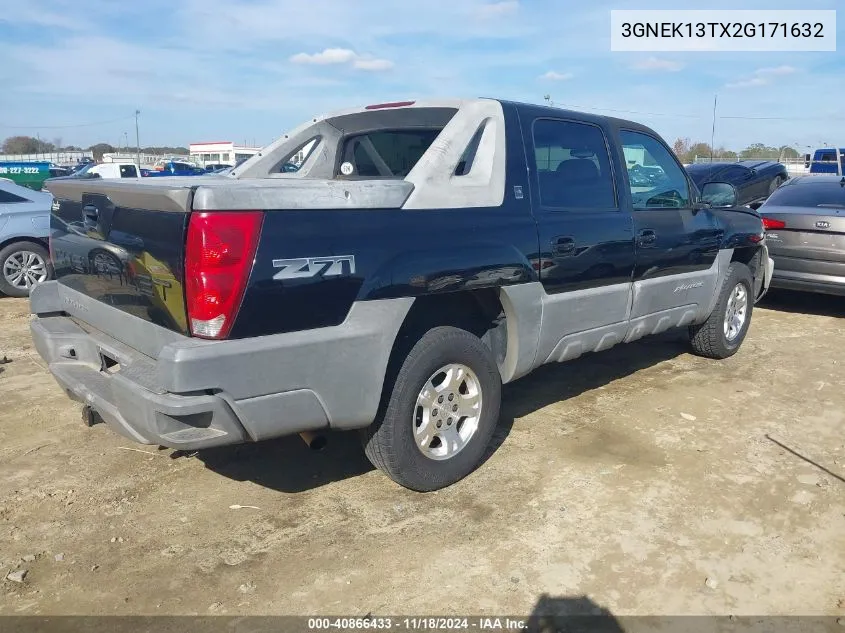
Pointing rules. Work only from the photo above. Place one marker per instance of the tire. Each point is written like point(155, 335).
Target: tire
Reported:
point(777, 182)
point(391, 441)
point(713, 338)
point(33, 257)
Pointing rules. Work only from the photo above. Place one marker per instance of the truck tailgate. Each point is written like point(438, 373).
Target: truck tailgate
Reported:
point(122, 244)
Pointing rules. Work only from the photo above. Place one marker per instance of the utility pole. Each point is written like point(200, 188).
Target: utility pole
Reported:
point(137, 142)
point(713, 129)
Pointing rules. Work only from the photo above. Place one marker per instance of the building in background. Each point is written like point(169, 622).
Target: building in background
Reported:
point(220, 153)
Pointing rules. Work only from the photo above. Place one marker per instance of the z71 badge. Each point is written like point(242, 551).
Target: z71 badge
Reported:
point(304, 267)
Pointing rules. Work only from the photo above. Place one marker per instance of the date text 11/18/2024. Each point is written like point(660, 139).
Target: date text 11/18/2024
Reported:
point(417, 623)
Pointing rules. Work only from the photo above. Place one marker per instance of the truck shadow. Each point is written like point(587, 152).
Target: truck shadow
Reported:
point(804, 303)
point(288, 465)
point(571, 614)
point(558, 382)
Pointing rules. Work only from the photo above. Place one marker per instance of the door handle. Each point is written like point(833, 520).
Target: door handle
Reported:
point(646, 237)
point(563, 245)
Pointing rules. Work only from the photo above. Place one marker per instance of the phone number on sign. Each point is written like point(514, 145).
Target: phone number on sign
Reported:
point(18, 170)
point(316, 624)
point(722, 29)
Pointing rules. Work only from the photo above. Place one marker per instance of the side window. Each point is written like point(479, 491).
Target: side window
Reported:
point(732, 174)
point(573, 165)
point(655, 178)
point(128, 171)
point(296, 159)
point(468, 157)
point(10, 198)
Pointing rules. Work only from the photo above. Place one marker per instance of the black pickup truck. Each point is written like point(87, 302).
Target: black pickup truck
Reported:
point(386, 269)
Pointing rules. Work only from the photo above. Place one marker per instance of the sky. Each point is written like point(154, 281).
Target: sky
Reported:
point(250, 70)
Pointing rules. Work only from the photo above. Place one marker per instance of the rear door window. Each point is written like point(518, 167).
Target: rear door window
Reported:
point(573, 165)
point(384, 153)
point(128, 171)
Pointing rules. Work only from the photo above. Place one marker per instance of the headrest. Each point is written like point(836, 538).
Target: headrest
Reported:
point(578, 169)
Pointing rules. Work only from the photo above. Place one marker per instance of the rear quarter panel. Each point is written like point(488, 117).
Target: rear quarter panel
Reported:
point(396, 253)
point(24, 225)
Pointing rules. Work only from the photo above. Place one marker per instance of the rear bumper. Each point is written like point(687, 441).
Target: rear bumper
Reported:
point(768, 273)
point(199, 394)
point(128, 400)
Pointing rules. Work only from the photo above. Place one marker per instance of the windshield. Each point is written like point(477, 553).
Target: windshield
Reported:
point(811, 194)
point(84, 170)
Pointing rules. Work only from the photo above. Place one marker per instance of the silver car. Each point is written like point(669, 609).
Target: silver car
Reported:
point(805, 231)
point(24, 229)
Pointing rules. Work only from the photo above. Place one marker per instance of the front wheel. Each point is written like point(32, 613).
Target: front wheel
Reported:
point(24, 264)
point(777, 182)
point(722, 334)
point(440, 414)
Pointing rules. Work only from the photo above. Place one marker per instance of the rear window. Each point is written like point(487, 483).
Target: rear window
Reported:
point(827, 194)
point(10, 198)
point(384, 153)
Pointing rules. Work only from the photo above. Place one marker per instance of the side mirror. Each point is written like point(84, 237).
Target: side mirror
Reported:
point(719, 194)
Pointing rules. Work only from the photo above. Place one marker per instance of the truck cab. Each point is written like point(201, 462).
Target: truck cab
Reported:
point(827, 160)
point(115, 170)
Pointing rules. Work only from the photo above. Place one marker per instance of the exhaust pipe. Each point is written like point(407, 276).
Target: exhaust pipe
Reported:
point(314, 441)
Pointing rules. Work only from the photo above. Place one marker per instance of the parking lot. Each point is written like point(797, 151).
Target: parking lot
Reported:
point(649, 480)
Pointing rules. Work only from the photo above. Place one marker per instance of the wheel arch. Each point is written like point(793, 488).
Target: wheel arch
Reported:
point(478, 311)
point(752, 256)
point(41, 241)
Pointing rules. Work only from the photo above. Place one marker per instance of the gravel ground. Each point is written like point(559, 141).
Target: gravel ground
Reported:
point(645, 479)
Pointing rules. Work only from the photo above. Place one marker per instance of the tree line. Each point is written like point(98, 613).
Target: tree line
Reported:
point(686, 151)
point(32, 145)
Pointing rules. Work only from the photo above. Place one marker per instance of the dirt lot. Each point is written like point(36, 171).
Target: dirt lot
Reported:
point(647, 479)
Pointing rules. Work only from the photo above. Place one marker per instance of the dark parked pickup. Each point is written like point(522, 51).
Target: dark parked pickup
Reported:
point(386, 269)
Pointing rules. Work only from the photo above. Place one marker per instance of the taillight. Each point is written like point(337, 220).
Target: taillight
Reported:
point(769, 223)
point(218, 258)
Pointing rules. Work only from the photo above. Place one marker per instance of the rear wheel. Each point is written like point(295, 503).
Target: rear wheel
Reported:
point(777, 182)
point(440, 413)
point(22, 266)
point(722, 334)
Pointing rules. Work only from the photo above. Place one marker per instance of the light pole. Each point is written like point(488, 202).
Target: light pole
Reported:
point(137, 141)
point(713, 129)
